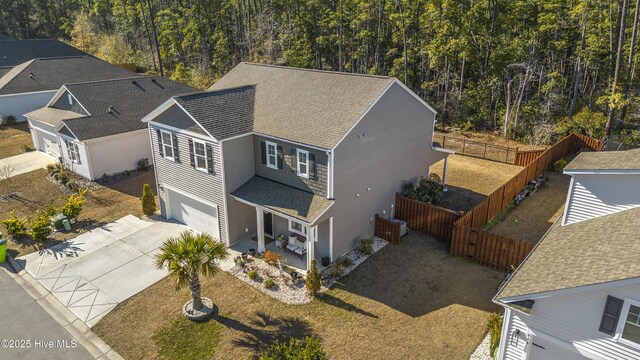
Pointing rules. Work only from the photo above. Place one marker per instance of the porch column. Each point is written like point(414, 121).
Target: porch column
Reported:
point(444, 173)
point(260, 224)
point(312, 234)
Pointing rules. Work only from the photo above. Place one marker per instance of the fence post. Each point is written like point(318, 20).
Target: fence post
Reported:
point(507, 159)
point(485, 151)
point(444, 140)
point(464, 145)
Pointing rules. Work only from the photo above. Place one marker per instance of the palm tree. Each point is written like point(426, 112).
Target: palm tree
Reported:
point(190, 255)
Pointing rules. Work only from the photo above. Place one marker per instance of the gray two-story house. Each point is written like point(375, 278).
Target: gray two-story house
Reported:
point(310, 155)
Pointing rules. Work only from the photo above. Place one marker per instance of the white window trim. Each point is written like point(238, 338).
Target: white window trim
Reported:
point(71, 148)
point(304, 228)
point(623, 320)
point(164, 146)
point(275, 156)
point(298, 152)
point(195, 155)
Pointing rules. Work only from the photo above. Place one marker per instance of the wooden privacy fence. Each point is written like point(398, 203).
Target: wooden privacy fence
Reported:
point(498, 252)
point(570, 144)
point(525, 157)
point(426, 218)
point(388, 230)
point(478, 149)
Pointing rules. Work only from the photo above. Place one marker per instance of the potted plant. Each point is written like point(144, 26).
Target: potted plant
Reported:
point(280, 241)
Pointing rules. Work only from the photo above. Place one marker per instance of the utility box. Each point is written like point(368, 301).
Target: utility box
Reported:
point(66, 224)
point(3, 250)
point(57, 222)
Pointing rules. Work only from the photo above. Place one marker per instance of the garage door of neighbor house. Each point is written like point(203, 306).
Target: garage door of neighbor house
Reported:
point(51, 147)
point(197, 214)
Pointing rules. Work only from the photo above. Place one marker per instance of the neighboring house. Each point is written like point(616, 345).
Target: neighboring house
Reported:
point(577, 295)
point(32, 84)
point(272, 150)
point(95, 127)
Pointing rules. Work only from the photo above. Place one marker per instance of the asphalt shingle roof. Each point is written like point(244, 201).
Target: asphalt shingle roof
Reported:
point(282, 198)
point(606, 160)
point(52, 73)
point(307, 106)
point(129, 100)
point(223, 113)
point(14, 52)
point(590, 252)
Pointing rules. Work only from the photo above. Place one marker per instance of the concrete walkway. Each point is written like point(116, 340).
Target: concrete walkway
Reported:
point(27, 162)
point(97, 270)
point(23, 319)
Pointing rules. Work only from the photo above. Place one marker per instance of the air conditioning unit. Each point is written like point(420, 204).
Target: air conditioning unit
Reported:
point(403, 226)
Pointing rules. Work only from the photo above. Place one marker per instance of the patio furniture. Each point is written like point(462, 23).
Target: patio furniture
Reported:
point(296, 246)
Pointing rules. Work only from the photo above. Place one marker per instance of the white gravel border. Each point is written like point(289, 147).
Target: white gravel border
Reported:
point(482, 351)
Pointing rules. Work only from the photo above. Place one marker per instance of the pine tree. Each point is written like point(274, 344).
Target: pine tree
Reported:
point(313, 279)
point(148, 201)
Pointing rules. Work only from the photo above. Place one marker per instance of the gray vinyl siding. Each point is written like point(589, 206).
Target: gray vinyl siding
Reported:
point(184, 177)
point(63, 103)
point(238, 169)
point(574, 319)
point(322, 247)
point(176, 117)
point(288, 174)
point(593, 196)
point(81, 168)
point(396, 146)
point(20, 104)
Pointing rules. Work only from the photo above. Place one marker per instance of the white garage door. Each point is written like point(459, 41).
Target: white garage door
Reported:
point(51, 148)
point(46, 143)
point(194, 213)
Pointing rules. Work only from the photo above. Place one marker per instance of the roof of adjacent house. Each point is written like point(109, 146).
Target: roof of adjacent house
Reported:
point(283, 199)
point(117, 106)
point(595, 251)
point(14, 52)
point(51, 73)
point(311, 107)
point(4, 36)
point(223, 113)
point(606, 160)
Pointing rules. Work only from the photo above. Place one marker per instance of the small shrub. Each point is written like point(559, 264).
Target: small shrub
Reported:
point(428, 190)
point(313, 279)
point(40, 227)
point(495, 328)
point(73, 207)
point(366, 246)
point(253, 274)
point(559, 165)
point(308, 349)
point(271, 257)
point(143, 164)
point(127, 173)
point(11, 120)
point(62, 177)
point(337, 269)
point(55, 168)
point(27, 148)
point(148, 201)
point(269, 283)
point(50, 210)
point(346, 262)
point(15, 227)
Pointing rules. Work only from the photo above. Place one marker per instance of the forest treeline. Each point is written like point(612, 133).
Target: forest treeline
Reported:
point(525, 68)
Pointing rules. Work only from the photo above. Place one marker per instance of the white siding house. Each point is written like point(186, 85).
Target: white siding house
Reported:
point(18, 104)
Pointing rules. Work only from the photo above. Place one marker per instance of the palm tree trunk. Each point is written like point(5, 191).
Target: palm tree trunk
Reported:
point(195, 291)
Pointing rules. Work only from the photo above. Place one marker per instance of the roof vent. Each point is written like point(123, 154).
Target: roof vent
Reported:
point(110, 110)
point(31, 75)
point(134, 82)
point(153, 80)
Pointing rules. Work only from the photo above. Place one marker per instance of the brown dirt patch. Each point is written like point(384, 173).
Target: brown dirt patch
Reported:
point(12, 137)
point(402, 303)
point(530, 220)
point(102, 206)
point(470, 180)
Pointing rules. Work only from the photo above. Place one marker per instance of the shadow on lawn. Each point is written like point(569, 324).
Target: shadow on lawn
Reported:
point(461, 199)
point(419, 276)
point(132, 183)
point(263, 330)
point(334, 301)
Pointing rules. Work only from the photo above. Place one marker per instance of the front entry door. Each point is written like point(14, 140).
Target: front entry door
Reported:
point(268, 223)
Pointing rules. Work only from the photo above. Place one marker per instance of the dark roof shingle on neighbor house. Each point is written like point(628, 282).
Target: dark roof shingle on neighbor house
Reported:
point(14, 52)
point(117, 106)
point(306, 106)
point(51, 73)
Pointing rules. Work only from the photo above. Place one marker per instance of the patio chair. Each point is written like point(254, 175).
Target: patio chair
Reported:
point(296, 246)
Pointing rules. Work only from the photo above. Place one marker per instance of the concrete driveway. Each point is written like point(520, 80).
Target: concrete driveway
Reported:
point(97, 270)
point(27, 162)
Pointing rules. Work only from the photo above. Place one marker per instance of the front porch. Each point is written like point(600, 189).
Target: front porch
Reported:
point(288, 258)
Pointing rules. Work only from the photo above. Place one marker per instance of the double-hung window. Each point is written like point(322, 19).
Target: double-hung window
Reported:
point(200, 155)
point(72, 151)
point(272, 155)
point(297, 227)
point(303, 162)
point(167, 144)
point(629, 325)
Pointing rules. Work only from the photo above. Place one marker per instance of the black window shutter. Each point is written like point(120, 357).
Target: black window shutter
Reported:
point(176, 153)
point(209, 159)
point(280, 166)
point(263, 147)
point(294, 160)
point(77, 153)
point(160, 142)
point(610, 316)
point(312, 166)
point(191, 157)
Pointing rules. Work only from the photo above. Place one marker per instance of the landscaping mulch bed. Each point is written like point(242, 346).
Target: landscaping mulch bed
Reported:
point(407, 301)
point(12, 137)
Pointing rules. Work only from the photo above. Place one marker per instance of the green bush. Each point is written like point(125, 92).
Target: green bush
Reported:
point(62, 177)
point(308, 349)
point(40, 227)
point(55, 168)
point(269, 283)
point(366, 246)
point(73, 207)
point(337, 269)
point(27, 148)
point(428, 190)
point(143, 164)
point(313, 279)
point(15, 227)
point(148, 201)
point(559, 165)
point(11, 120)
point(253, 274)
point(51, 210)
point(346, 262)
point(495, 328)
